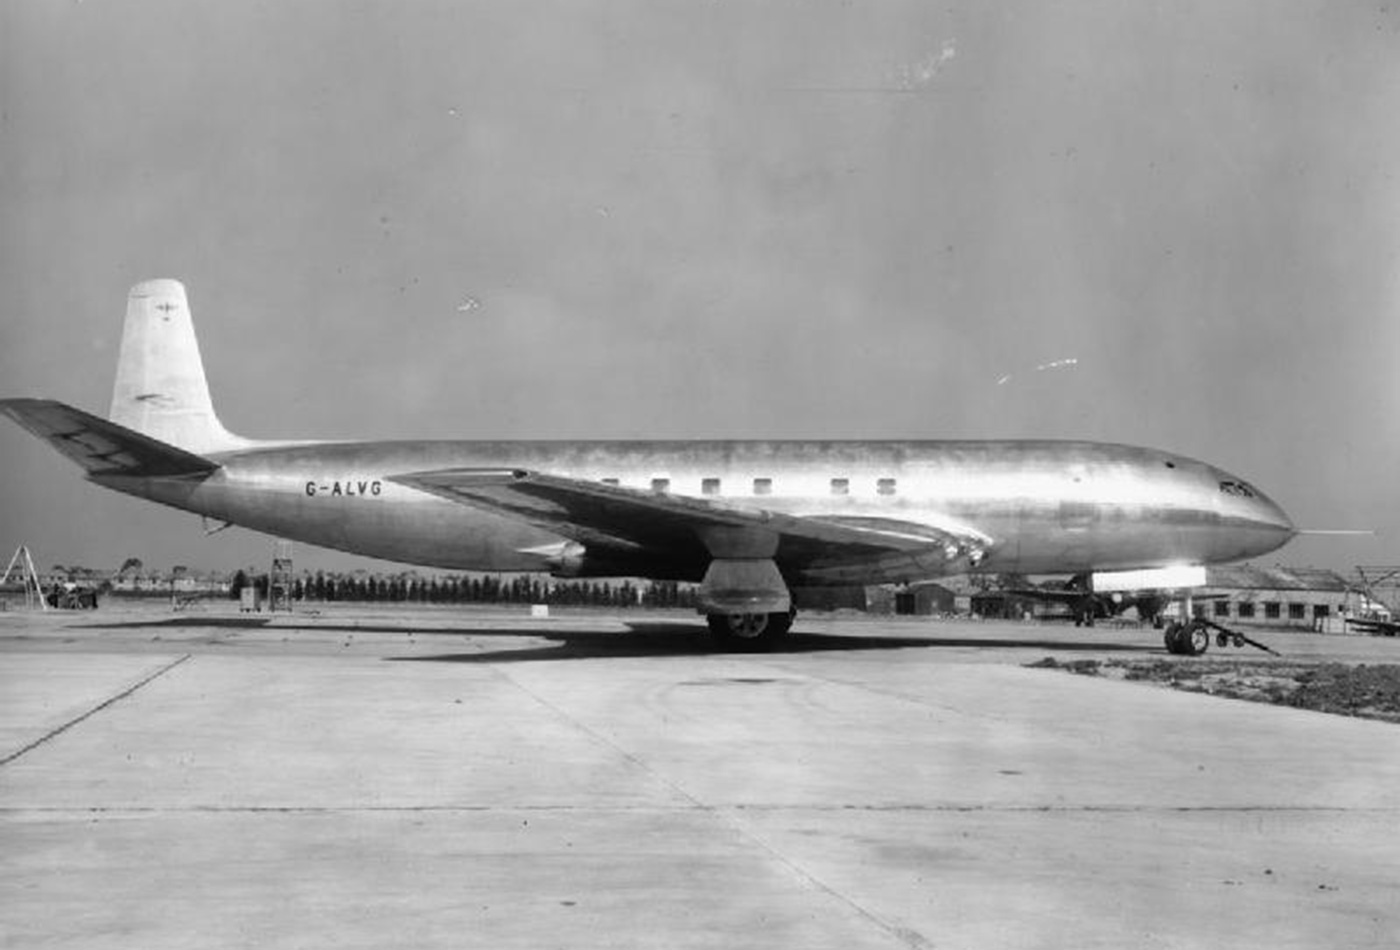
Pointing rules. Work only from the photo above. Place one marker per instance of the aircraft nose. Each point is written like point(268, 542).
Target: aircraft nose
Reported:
point(1271, 516)
point(1256, 523)
point(1273, 513)
point(1270, 527)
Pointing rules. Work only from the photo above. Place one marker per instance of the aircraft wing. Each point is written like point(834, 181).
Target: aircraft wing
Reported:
point(594, 513)
point(1071, 597)
point(100, 446)
point(1384, 628)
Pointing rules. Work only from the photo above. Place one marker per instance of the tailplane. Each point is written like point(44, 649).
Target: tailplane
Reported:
point(160, 389)
point(102, 447)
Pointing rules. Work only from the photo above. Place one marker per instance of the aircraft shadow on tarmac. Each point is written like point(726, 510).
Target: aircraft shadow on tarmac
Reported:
point(643, 639)
point(228, 623)
point(687, 639)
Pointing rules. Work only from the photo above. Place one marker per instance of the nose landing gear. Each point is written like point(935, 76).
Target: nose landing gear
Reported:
point(1187, 639)
point(1193, 638)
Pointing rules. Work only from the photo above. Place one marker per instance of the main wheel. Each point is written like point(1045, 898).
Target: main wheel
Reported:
point(748, 632)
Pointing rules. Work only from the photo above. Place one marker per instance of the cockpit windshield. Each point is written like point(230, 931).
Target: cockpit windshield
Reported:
point(1237, 489)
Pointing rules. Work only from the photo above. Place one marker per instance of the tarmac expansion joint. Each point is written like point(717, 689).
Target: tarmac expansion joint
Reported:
point(54, 733)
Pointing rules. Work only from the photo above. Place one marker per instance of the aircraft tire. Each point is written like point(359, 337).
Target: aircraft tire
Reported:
point(1189, 639)
point(1169, 637)
point(1192, 639)
point(749, 633)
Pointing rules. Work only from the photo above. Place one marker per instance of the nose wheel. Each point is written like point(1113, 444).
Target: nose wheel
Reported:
point(1187, 639)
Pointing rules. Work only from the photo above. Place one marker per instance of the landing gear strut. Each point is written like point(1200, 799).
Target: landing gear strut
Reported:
point(749, 633)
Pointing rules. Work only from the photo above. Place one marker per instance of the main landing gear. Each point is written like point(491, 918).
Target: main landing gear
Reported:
point(749, 633)
point(1193, 638)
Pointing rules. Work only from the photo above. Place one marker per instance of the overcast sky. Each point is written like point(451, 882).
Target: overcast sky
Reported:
point(609, 219)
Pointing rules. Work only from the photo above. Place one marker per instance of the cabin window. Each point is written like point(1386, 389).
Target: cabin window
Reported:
point(840, 486)
point(885, 486)
point(1297, 611)
point(709, 486)
point(1198, 611)
point(1321, 611)
point(1222, 608)
point(1271, 610)
point(1246, 610)
point(763, 486)
point(660, 484)
point(1237, 489)
point(609, 481)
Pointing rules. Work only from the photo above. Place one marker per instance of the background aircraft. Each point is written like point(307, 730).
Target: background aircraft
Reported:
point(748, 520)
point(1086, 605)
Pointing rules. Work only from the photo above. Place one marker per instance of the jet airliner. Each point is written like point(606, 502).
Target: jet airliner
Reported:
point(750, 521)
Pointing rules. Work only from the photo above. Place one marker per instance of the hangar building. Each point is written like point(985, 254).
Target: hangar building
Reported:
point(1301, 598)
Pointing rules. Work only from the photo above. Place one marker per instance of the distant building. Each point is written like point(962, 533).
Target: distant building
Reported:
point(920, 600)
point(831, 598)
point(156, 585)
point(1301, 598)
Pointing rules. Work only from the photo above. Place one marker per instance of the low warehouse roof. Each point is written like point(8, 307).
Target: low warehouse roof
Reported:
point(1249, 577)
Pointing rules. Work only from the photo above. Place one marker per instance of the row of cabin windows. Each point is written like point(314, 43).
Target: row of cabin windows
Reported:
point(764, 486)
point(1273, 610)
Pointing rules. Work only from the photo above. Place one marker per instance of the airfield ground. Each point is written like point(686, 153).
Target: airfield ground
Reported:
point(432, 778)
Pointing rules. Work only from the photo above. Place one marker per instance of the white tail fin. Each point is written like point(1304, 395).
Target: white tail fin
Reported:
point(160, 389)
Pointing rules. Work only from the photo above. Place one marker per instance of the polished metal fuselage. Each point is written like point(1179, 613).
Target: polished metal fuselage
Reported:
point(1047, 506)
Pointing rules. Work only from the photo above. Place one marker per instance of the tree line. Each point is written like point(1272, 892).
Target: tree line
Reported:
point(322, 587)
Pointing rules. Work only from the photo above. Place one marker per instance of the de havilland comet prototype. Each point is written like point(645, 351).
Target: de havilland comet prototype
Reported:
point(751, 521)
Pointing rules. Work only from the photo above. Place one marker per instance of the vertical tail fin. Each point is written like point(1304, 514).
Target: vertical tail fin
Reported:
point(160, 389)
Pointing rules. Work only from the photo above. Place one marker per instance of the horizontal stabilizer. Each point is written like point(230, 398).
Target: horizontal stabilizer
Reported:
point(100, 446)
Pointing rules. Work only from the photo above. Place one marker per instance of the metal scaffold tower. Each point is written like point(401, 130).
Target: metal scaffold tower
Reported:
point(281, 580)
point(1381, 583)
point(29, 576)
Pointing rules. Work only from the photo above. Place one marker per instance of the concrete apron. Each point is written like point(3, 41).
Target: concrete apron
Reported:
point(887, 798)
